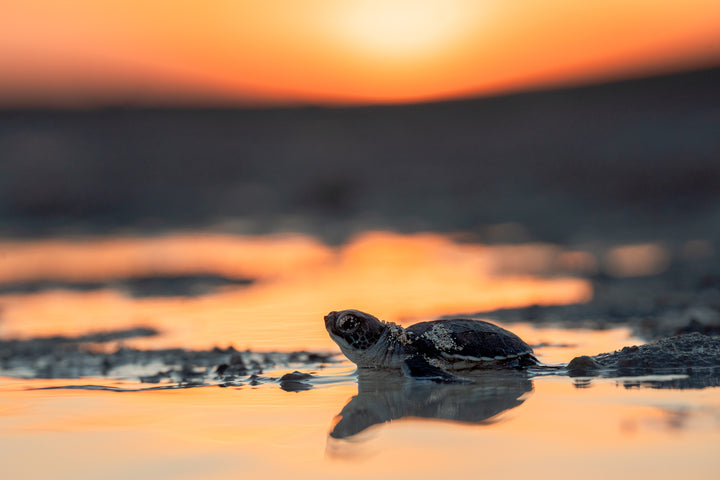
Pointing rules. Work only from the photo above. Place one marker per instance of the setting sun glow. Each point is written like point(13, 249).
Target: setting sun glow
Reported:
point(322, 51)
point(400, 31)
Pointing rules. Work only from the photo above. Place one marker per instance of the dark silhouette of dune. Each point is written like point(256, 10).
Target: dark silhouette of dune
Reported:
point(631, 160)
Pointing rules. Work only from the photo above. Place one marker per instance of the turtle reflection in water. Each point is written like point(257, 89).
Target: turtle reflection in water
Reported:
point(427, 350)
point(382, 398)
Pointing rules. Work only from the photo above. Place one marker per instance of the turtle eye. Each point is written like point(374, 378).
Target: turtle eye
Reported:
point(348, 323)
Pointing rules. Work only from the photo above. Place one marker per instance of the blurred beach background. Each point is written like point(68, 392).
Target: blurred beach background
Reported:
point(154, 149)
point(526, 122)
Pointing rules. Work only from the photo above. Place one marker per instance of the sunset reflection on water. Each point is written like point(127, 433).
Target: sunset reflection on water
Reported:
point(344, 425)
point(558, 432)
point(296, 279)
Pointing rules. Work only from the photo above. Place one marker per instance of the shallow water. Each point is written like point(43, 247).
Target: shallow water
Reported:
point(296, 280)
point(542, 427)
point(337, 424)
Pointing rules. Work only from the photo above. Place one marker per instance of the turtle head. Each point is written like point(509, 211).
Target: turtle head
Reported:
point(355, 333)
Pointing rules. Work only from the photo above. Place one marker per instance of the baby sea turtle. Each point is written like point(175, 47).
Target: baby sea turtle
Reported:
point(428, 349)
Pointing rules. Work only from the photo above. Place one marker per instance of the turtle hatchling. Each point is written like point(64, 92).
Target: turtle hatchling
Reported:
point(426, 350)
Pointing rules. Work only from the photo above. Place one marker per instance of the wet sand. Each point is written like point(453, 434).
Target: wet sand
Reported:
point(693, 355)
point(676, 312)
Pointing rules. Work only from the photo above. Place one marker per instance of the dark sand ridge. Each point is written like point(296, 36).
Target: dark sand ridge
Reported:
point(627, 161)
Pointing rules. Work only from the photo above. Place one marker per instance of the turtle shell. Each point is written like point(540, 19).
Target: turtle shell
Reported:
point(466, 340)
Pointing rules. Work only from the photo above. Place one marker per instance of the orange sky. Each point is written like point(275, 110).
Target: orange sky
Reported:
point(84, 52)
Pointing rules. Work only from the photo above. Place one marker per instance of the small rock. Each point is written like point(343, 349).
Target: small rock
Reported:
point(582, 366)
point(296, 381)
point(296, 376)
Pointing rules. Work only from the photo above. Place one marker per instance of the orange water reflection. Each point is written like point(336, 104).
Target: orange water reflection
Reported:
point(108, 258)
point(637, 260)
point(558, 432)
point(398, 277)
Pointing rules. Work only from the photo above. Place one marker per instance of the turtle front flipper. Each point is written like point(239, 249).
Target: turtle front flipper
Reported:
point(419, 368)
